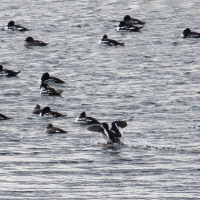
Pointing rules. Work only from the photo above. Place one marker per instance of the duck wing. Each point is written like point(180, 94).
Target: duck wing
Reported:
point(104, 133)
point(56, 130)
point(92, 120)
point(117, 127)
point(100, 129)
point(114, 42)
point(56, 80)
point(136, 21)
point(21, 28)
point(56, 114)
point(96, 128)
point(121, 124)
point(195, 34)
point(11, 72)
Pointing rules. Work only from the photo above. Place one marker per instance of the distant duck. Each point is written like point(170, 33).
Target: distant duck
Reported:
point(37, 109)
point(86, 120)
point(47, 90)
point(31, 42)
point(112, 135)
point(110, 42)
point(188, 33)
point(12, 26)
point(8, 72)
point(48, 111)
point(47, 78)
point(132, 21)
point(51, 129)
point(3, 117)
point(123, 27)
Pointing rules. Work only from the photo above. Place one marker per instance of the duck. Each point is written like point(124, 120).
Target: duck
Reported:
point(112, 135)
point(86, 120)
point(37, 109)
point(110, 42)
point(50, 91)
point(188, 33)
point(47, 78)
point(12, 26)
point(3, 117)
point(7, 72)
point(132, 21)
point(31, 42)
point(48, 111)
point(123, 27)
point(51, 129)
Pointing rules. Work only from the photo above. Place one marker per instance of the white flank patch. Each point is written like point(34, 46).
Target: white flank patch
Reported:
point(80, 120)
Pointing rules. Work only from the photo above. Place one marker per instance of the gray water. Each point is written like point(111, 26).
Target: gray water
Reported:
point(152, 82)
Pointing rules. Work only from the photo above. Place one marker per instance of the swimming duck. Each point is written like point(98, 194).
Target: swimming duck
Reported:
point(46, 90)
point(123, 27)
point(3, 117)
point(47, 78)
point(51, 129)
point(86, 120)
point(37, 109)
point(8, 72)
point(110, 42)
point(112, 135)
point(12, 26)
point(48, 111)
point(188, 33)
point(132, 21)
point(31, 42)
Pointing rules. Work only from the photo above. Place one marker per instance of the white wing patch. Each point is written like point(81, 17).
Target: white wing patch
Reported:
point(119, 129)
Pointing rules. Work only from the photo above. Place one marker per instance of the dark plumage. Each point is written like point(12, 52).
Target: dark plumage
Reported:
point(48, 111)
point(12, 26)
point(112, 135)
point(132, 21)
point(47, 90)
point(52, 130)
point(3, 117)
point(123, 27)
point(31, 42)
point(86, 120)
point(110, 42)
point(8, 72)
point(188, 33)
point(47, 78)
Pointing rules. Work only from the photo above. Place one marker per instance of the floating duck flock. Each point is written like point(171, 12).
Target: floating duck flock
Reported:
point(112, 135)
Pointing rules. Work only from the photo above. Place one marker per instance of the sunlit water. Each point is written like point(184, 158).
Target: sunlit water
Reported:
point(152, 82)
